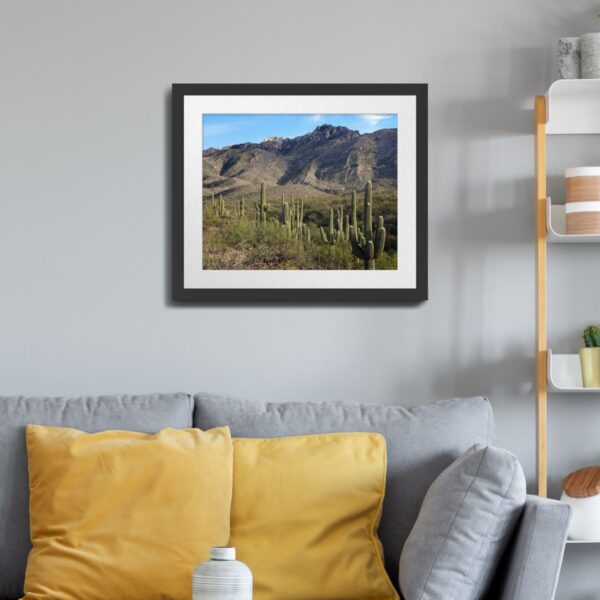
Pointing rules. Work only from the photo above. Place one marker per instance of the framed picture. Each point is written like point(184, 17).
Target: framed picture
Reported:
point(299, 193)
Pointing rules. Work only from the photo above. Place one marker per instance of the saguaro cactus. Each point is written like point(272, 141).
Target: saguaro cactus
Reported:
point(285, 219)
point(367, 245)
point(221, 208)
point(591, 337)
point(299, 212)
point(330, 236)
point(304, 233)
point(337, 235)
point(354, 222)
point(292, 219)
point(241, 208)
point(262, 207)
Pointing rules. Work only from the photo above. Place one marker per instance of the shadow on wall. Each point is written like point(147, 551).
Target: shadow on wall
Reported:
point(510, 88)
point(476, 238)
point(168, 220)
point(578, 580)
point(555, 188)
point(491, 225)
point(510, 376)
point(485, 220)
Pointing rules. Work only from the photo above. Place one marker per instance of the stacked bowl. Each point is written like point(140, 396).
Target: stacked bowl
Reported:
point(582, 209)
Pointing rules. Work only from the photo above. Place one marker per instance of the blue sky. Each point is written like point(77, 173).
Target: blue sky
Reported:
point(224, 130)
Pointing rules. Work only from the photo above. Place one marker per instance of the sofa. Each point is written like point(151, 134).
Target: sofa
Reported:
point(421, 443)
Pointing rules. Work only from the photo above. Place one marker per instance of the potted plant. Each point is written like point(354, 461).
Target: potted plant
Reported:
point(590, 357)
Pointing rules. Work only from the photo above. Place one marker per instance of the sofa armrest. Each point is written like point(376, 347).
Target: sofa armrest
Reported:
point(532, 562)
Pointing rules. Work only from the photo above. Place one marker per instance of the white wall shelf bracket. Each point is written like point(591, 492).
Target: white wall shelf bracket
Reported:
point(564, 374)
point(557, 230)
point(573, 106)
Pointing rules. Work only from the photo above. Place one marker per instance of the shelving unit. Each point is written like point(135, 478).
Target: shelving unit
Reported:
point(569, 107)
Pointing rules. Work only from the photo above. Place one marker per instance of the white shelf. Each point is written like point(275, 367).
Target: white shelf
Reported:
point(582, 542)
point(557, 229)
point(573, 106)
point(564, 374)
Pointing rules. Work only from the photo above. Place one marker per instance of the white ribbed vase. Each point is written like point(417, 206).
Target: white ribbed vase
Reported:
point(222, 577)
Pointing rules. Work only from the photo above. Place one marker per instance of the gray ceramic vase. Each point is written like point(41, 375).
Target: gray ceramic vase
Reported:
point(590, 55)
point(222, 577)
point(569, 58)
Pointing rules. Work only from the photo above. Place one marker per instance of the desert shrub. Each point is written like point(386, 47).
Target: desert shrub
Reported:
point(237, 242)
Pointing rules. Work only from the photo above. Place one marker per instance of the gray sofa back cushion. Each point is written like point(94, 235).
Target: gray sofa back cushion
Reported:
point(421, 443)
point(135, 413)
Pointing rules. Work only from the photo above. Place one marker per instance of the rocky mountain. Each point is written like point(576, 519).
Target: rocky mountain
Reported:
point(328, 160)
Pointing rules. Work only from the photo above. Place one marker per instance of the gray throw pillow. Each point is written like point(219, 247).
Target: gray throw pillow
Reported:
point(466, 520)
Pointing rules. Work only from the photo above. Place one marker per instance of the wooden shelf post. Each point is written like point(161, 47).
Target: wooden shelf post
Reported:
point(540, 289)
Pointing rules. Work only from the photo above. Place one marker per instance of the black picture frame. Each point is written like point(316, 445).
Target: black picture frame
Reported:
point(338, 296)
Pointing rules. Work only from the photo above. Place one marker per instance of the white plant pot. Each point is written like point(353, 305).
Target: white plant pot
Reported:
point(585, 521)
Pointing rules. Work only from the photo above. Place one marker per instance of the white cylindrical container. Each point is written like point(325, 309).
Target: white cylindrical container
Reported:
point(582, 209)
point(585, 520)
point(590, 55)
point(569, 58)
point(581, 490)
point(222, 577)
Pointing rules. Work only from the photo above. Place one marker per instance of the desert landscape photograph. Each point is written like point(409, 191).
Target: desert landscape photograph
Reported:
point(299, 191)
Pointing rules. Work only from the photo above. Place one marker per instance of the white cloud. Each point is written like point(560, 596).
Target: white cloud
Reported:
point(373, 119)
point(315, 118)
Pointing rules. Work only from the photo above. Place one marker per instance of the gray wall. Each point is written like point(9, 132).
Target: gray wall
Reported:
point(84, 198)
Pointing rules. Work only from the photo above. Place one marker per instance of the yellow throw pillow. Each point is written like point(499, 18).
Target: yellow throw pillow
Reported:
point(305, 513)
point(124, 516)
